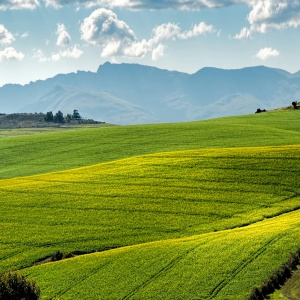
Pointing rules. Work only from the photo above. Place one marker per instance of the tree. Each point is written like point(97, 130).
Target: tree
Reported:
point(294, 103)
point(68, 117)
point(49, 116)
point(76, 115)
point(14, 286)
point(59, 117)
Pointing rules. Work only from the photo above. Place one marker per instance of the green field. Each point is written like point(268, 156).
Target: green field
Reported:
point(202, 210)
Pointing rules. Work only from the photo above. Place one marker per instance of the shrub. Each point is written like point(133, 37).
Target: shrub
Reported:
point(14, 286)
point(56, 256)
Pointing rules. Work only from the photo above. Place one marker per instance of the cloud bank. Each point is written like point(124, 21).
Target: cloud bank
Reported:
point(104, 28)
point(264, 14)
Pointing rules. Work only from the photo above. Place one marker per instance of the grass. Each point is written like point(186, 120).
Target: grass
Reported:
point(34, 130)
point(203, 210)
point(219, 265)
point(48, 152)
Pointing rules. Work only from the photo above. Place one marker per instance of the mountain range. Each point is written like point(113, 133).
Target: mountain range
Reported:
point(137, 94)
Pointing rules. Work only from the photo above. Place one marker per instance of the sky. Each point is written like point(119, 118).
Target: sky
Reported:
point(42, 38)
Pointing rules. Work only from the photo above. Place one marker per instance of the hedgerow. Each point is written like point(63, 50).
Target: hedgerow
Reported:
point(276, 279)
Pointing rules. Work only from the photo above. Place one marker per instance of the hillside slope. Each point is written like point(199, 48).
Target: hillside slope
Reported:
point(203, 210)
point(218, 265)
point(154, 198)
point(42, 153)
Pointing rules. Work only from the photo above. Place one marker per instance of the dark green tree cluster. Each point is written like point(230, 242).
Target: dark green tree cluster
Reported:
point(14, 286)
point(60, 118)
point(49, 116)
point(295, 105)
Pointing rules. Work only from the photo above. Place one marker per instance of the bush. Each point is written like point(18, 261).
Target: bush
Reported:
point(56, 256)
point(14, 286)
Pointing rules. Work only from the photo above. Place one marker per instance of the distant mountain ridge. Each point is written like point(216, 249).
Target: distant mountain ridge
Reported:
point(137, 94)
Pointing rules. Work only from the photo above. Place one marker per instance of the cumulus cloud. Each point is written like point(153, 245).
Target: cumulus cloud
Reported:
point(65, 49)
point(158, 52)
point(274, 14)
point(18, 4)
point(9, 54)
point(200, 29)
point(244, 34)
point(6, 37)
point(40, 56)
point(63, 38)
point(165, 32)
point(104, 28)
point(267, 53)
point(71, 52)
point(268, 15)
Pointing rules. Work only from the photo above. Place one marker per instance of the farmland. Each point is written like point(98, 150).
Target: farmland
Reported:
point(203, 210)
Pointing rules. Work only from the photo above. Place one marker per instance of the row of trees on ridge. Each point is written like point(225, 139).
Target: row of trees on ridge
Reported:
point(60, 118)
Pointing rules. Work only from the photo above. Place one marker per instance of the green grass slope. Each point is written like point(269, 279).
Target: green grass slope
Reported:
point(151, 198)
point(219, 265)
point(47, 152)
point(173, 202)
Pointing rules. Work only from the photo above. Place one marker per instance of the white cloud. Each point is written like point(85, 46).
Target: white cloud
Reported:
point(6, 37)
point(274, 14)
point(158, 52)
point(103, 28)
point(24, 35)
point(40, 56)
point(200, 29)
point(63, 38)
point(72, 52)
point(55, 57)
point(244, 34)
point(165, 32)
point(18, 4)
point(9, 54)
point(267, 53)
point(138, 49)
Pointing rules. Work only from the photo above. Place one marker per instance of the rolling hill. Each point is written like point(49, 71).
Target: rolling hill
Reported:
point(204, 210)
point(137, 94)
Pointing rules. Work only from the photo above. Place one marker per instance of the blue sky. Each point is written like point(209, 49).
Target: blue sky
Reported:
point(42, 38)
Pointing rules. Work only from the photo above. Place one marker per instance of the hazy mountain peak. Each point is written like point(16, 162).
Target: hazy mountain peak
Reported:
point(133, 93)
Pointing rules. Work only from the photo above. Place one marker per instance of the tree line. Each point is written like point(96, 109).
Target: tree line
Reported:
point(60, 118)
